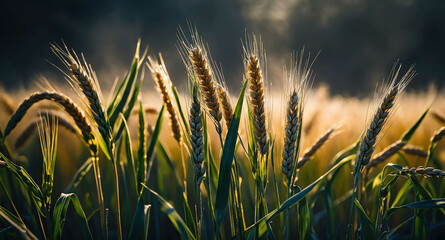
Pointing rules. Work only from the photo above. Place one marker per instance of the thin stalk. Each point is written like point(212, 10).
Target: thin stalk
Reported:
point(118, 204)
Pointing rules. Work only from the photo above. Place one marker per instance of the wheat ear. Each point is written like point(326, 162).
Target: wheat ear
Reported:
point(426, 172)
point(291, 132)
point(415, 151)
point(207, 84)
point(160, 75)
point(196, 137)
point(68, 105)
point(256, 93)
point(380, 117)
point(308, 153)
point(226, 105)
point(85, 82)
point(385, 154)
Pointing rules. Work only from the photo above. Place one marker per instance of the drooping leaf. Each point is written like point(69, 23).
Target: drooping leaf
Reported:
point(174, 217)
point(17, 224)
point(81, 172)
point(59, 215)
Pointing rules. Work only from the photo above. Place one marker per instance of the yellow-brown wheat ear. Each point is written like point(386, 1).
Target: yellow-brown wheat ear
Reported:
point(256, 95)
point(291, 133)
point(174, 123)
point(68, 105)
point(226, 105)
point(207, 84)
point(160, 76)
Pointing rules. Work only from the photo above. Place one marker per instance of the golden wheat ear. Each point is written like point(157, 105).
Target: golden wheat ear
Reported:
point(207, 83)
point(67, 104)
point(160, 76)
point(226, 105)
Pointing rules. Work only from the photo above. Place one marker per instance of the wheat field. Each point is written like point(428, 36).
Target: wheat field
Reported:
point(209, 162)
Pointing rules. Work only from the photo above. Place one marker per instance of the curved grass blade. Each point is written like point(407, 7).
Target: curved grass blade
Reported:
point(22, 176)
point(17, 224)
point(222, 192)
point(139, 227)
point(81, 172)
point(423, 204)
point(59, 215)
point(178, 104)
point(369, 226)
point(174, 217)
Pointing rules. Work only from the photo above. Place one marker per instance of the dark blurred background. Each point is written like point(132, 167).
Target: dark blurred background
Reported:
point(359, 40)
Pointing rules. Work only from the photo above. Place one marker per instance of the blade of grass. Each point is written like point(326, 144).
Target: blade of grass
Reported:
point(59, 215)
point(174, 217)
point(222, 192)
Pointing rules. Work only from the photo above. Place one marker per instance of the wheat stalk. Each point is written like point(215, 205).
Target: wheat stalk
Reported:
point(426, 172)
point(160, 75)
point(256, 95)
point(415, 151)
point(309, 152)
point(207, 84)
point(291, 132)
point(385, 154)
point(226, 105)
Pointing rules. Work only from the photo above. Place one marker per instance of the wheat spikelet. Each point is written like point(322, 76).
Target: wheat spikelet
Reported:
point(385, 154)
point(68, 105)
point(415, 151)
point(426, 172)
point(160, 75)
point(226, 105)
point(309, 152)
point(207, 84)
point(256, 95)
point(291, 132)
point(196, 137)
point(438, 135)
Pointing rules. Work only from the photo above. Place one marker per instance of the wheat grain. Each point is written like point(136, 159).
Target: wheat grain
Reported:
point(291, 132)
point(308, 153)
point(385, 154)
point(207, 84)
point(226, 105)
point(160, 75)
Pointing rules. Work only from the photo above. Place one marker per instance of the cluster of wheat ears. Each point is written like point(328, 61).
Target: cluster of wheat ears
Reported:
point(242, 179)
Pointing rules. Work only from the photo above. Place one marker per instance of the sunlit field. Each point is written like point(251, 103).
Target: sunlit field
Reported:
point(266, 161)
